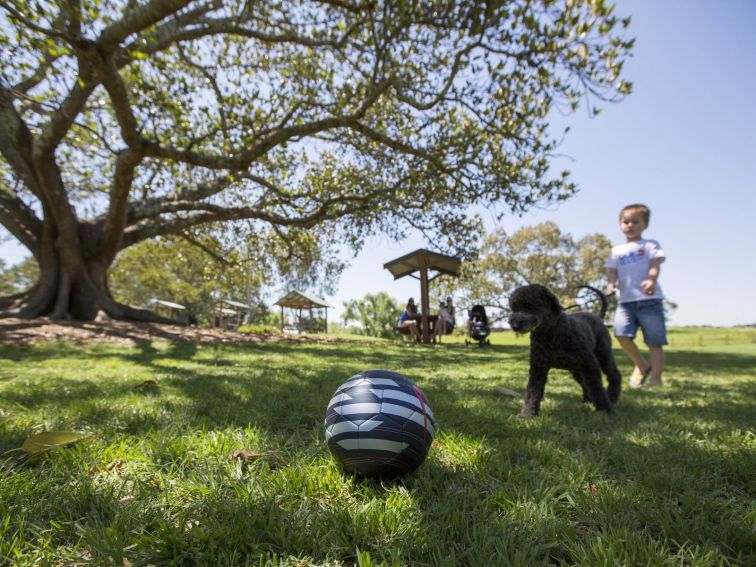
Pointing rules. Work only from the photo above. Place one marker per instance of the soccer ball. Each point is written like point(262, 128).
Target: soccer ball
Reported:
point(379, 424)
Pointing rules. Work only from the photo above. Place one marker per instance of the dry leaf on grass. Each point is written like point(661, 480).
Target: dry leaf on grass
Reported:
point(35, 446)
point(248, 456)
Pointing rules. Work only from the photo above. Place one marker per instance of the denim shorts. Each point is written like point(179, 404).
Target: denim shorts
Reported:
point(648, 315)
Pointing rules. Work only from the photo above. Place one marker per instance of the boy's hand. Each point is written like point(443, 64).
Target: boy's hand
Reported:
point(611, 288)
point(648, 286)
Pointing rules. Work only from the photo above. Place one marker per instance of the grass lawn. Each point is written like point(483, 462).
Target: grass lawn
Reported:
point(668, 479)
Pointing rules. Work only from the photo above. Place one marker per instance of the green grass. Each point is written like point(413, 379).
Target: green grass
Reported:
point(668, 479)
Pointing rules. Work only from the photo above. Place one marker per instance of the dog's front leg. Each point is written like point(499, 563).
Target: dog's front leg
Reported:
point(539, 372)
point(593, 385)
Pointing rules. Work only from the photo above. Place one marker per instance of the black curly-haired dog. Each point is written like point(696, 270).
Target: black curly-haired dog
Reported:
point(579, 343)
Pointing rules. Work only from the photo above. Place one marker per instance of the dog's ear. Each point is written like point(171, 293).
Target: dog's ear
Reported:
point(552, 301)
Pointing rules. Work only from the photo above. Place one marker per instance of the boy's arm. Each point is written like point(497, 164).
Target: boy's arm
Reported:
point(654, 268)
point(611, 274)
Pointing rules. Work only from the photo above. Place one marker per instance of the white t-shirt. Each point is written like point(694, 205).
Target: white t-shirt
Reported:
point(631, 260)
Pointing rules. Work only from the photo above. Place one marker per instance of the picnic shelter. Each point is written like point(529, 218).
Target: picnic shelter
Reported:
point(169, 309)
point(428, 265)
point(229, 314)
point(301, 302)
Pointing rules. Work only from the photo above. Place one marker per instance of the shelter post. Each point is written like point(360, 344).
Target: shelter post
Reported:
point(424, 304)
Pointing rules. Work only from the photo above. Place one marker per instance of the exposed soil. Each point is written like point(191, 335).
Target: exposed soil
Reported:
point(32, 331)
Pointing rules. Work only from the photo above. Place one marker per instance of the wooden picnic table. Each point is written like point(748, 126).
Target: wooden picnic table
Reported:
point(419, 320)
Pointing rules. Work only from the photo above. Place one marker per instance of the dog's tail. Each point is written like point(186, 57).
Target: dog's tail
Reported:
point(602, 298)
point(587, 301)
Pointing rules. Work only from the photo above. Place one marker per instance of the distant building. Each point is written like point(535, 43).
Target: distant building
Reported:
point(170, 309)
point(229, 314)
point(305, 307)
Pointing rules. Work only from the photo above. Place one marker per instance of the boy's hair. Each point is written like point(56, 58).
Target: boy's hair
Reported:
point(642, 210)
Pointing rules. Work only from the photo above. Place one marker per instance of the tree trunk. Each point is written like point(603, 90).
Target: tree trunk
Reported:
point(72, 285)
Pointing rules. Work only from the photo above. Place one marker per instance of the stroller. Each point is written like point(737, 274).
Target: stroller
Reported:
point(477, 326)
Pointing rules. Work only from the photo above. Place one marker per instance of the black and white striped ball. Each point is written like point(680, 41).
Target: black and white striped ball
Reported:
point(379, 424)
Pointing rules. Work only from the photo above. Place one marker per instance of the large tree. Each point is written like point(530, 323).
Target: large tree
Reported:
point(122, 121)
point(540, 254)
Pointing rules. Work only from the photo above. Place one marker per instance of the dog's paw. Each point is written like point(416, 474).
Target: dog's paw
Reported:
point(527, 415)
point(614, 395)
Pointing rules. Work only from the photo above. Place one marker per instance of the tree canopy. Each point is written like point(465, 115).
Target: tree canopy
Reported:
point(199, 271)
point(377, 314)
point(18, 277)
point(122, 121)
point(540, 254)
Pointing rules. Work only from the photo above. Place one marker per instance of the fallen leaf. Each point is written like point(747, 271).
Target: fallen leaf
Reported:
point(146, 385)
point(47, 440)
point(36, 445)
point(250, 455)
point(115, 466)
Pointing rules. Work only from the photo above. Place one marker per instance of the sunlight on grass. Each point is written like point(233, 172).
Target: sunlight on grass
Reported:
point(665, 480)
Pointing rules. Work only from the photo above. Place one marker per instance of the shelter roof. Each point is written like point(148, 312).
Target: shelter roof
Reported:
point(420, 259)
point(168, 304)
point(299, 300)
point(235, 304)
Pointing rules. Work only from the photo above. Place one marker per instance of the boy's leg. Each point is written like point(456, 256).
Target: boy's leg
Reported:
point(651, 318)
point(631, 350)
point(657, 365)
point(625, 327)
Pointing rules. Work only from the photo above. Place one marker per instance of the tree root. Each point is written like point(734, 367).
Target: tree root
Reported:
point(32, 304)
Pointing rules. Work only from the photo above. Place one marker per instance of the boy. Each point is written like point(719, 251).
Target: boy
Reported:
point(634, 268)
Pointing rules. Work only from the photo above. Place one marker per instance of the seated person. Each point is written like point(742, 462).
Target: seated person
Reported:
point(406, 320)
point(451, 321)
point(444, 323)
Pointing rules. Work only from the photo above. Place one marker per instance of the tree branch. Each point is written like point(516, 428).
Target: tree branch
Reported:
point(214, 255)
point(278, 137)
point(20, 220)
point(204, 213)
point(401, 147)
point(119, 201)
point(155, 207)
point(111, 80)
point(61, 121)
point(16, 143)
point(138, 19)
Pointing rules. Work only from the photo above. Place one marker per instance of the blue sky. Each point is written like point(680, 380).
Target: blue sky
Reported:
point(684, 143)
